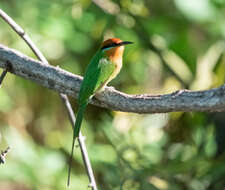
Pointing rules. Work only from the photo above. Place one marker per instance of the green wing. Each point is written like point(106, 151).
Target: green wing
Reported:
point(106, 70)
point(98, 72)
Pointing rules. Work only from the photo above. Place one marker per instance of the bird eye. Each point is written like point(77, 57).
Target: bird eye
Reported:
point(109, 46)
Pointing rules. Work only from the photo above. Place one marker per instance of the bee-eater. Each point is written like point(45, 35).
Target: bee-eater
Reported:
point(104, 66)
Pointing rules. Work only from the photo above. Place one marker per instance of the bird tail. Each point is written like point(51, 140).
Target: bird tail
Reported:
point(79, 119)
point(76, 131)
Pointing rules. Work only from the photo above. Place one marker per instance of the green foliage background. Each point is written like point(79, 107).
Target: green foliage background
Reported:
point(178, 44)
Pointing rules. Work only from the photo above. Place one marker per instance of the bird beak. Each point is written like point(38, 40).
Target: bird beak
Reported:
point(124, 43)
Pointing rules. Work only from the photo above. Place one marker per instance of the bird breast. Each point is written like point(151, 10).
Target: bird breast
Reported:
point(118, 66)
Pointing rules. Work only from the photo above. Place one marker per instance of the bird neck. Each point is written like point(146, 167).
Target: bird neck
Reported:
point(115, 54)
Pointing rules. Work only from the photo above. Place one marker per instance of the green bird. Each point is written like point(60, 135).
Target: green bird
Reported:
point(104, 66)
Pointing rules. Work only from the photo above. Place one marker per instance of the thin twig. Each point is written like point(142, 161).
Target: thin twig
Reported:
point(64, 97)
point(3, 155)
point(23, 35)
point(4, 72)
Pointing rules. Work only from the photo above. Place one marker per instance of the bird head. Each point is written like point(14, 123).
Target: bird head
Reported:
point(114, 47)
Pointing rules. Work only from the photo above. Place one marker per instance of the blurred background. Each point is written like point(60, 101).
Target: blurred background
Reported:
point(178, 44)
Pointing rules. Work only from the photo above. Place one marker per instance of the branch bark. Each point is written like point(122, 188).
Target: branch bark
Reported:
point(65, 82)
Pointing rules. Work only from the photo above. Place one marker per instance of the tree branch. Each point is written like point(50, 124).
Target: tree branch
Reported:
point(62, 81)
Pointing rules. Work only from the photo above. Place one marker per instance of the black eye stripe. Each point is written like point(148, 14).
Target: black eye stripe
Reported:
point(109, 45)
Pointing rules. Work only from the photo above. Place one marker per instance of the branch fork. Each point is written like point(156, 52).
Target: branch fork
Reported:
point(64, 97)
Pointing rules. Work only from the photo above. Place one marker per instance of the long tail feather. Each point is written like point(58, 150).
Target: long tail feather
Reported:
point(76, 131)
